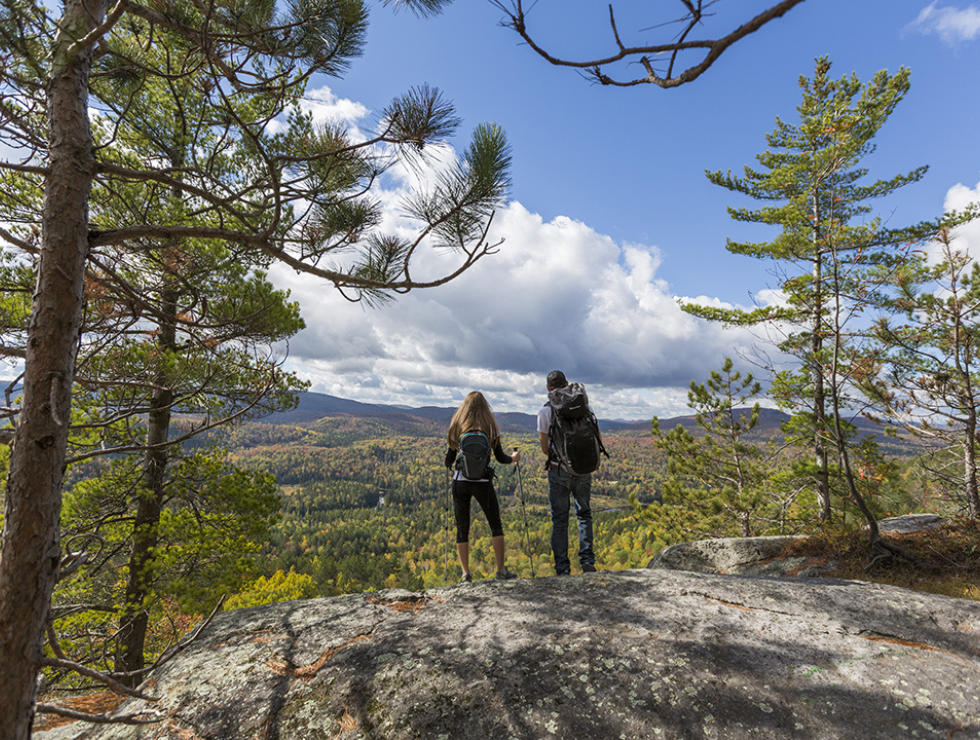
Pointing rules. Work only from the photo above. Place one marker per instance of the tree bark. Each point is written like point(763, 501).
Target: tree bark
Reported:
point(970, 466)
point(30, 548)
point(134, 621)
point(819, 393)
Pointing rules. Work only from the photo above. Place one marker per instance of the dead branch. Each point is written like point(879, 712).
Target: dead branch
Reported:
point(140, 717)
point(516, 19)
point(105, 678)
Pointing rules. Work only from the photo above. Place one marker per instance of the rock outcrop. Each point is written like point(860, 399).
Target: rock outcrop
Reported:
point(656, 654)
point(767, 556)
point(744, 556)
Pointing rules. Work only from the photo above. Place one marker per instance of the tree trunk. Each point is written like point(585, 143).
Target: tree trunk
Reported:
point(30, 549)
point(130, 655)
point(819, 398)
point(970, 465)
point(134, 619)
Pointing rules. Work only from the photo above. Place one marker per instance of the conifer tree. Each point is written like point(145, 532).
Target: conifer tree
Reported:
point(299, 195)
point(826, 255)
point(718, 471)
point(929, 358)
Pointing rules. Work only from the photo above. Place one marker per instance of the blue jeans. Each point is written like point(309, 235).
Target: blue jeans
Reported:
point(562, 485)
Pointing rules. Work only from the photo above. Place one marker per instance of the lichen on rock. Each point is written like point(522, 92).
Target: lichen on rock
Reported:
point(624, 654)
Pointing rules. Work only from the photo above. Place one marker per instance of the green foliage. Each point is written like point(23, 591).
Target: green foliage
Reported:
point(278, 587)
point(927, 352)
point(420, 7)
point(719, 473)
point(831, 254)
point(813, 177)
point(214, 521)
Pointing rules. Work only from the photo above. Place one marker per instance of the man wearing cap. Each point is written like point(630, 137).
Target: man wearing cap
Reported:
point(562, 486)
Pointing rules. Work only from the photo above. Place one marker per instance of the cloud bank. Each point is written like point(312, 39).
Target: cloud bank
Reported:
point(556, 294)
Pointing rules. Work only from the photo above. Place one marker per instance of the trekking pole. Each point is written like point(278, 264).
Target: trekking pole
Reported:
point(527, 535)
point(445, 566)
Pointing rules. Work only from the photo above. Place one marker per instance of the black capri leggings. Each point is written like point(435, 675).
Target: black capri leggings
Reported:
point(482, 491)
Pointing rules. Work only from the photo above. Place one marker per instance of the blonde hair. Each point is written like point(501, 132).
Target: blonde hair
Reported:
point(474, 413)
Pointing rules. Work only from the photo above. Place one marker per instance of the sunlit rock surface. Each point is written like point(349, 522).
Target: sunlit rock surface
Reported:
point(629, 654)
point(744, 556)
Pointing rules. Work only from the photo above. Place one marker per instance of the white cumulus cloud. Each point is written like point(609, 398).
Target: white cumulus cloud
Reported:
point(966, 238)
point(554, 295)
point(953, 25)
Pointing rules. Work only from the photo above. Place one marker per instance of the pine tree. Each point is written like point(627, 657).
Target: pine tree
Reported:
point(826, 257)
point(929, 359)
point(302, 198)
point(718, 471)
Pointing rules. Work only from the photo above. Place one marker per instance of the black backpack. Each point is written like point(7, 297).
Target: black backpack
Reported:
point(574, 432)
point(473, 460)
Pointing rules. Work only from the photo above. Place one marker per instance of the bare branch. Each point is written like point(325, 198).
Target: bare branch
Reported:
point(206, 425)
point(17, 242)
point(140, 717)
point(712, 48)
point(105, 678)
point(184, 644)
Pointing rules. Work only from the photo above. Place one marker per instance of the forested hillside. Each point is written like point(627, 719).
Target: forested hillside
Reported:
point(365, 498)
point(364, 501)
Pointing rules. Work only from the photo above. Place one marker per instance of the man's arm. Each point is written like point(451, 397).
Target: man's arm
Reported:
point(545, 443)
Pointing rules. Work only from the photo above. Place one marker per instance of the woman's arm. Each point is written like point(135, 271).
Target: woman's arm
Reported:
point(503, 457)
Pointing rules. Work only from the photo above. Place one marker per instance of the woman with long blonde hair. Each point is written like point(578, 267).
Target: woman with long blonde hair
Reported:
point(473, 435)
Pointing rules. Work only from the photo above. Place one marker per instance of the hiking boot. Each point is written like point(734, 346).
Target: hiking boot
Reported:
point(505, 575)
point(467, 578)
point(588, 569)
point(564, 573)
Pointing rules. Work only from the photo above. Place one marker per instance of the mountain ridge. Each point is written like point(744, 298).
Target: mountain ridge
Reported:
point(314, 406)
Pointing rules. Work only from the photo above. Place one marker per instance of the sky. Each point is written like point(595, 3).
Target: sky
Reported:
point(610, 218)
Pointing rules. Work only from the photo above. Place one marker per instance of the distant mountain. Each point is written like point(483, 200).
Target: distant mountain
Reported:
point(315, 406)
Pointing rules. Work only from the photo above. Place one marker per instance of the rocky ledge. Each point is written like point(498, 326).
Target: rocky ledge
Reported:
point(654, 654)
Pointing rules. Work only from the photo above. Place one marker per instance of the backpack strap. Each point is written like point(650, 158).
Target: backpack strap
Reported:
point(553, 427)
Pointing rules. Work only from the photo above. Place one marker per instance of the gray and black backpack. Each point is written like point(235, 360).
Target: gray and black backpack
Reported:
point(574, 433)
point(473, 460)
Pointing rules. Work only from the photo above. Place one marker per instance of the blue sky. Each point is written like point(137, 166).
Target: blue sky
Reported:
point(610, 218)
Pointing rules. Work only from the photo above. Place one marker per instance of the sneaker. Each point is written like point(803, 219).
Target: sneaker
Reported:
point(467, 578)
point(588, 569)
point(505, 575)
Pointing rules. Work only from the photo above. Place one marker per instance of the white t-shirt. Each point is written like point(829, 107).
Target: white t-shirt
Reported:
point(544, 419)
